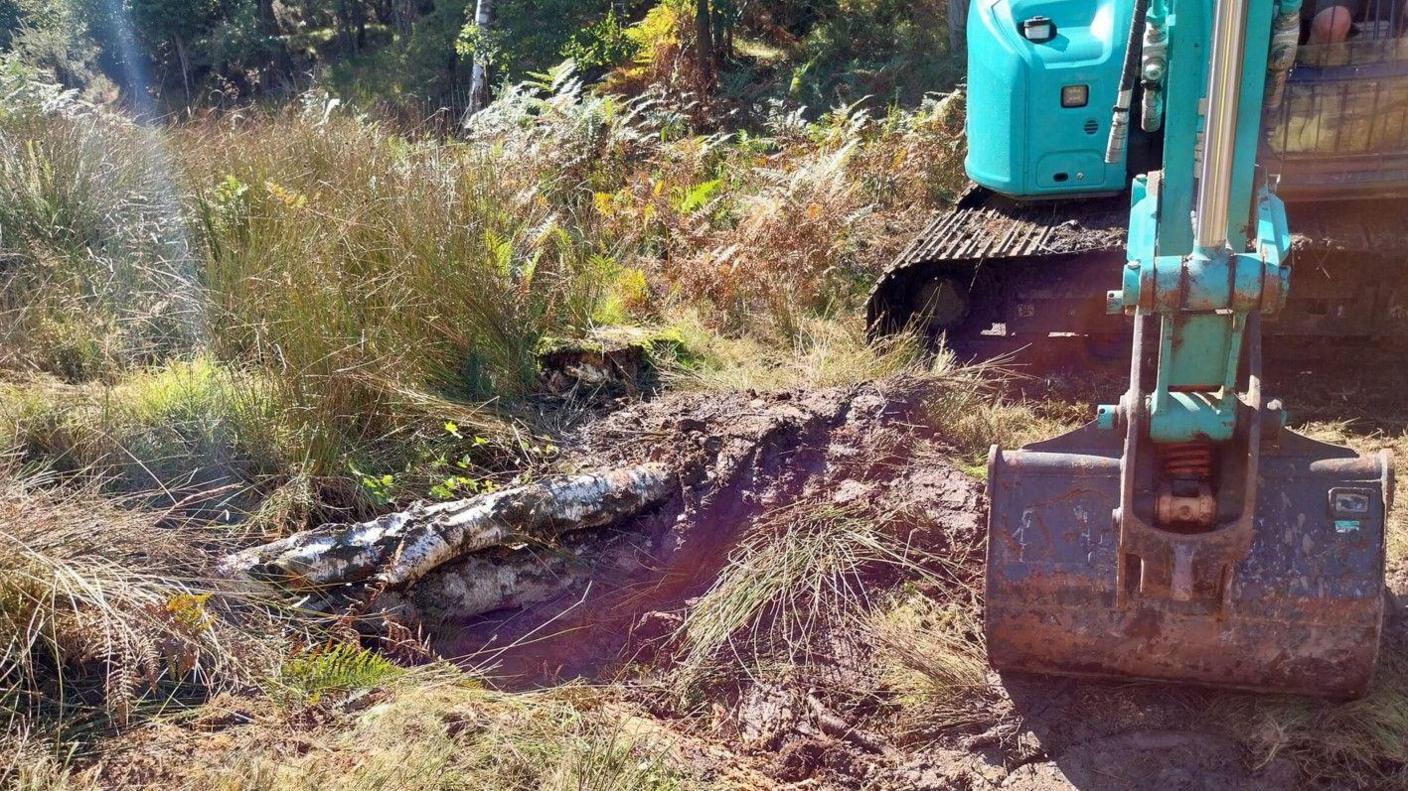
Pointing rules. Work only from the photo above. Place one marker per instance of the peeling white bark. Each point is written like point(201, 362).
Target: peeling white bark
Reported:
point(479, 77)
point(398, 549)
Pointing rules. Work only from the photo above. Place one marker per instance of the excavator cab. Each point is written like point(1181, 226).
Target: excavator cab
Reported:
point(1337, 124)
point(1187, 534)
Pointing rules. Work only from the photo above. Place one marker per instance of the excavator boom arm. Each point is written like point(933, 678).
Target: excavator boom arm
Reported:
point(1186, 534)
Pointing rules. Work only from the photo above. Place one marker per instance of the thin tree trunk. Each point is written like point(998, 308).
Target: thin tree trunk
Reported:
point(185, 59)
point(479, 82)
point(704, 40)
point(400, 548)
point(957, 24)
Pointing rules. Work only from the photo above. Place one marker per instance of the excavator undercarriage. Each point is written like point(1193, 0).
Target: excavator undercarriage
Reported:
point(995, 276)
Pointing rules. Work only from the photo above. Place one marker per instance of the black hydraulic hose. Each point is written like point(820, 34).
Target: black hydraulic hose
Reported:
point(1119, 123)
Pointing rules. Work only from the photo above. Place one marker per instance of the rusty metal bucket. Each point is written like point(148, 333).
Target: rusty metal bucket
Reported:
point(1296, 606)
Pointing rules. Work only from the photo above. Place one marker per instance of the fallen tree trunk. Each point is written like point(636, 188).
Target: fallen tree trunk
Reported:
point(483, 582)
point(397, 549)
point(477, 585)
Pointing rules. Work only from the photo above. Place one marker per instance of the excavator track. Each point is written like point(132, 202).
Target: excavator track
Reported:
point(994, 275)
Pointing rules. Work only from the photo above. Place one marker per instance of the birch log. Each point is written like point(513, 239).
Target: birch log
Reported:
point(400, 548)
point(479, 77)
point(488, 581)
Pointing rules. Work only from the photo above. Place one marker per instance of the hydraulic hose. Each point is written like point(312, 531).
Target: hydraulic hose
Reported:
point(1119, 122)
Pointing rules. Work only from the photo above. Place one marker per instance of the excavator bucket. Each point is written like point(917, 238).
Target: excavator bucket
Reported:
point(1296, 607)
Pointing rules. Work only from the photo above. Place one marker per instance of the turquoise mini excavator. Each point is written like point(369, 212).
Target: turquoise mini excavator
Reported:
point(1185, 534)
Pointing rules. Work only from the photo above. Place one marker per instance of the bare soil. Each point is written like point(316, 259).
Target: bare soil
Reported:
point(739, 456)
point(832, 720)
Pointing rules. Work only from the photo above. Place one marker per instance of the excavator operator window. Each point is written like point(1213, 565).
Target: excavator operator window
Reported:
point(1341, 129)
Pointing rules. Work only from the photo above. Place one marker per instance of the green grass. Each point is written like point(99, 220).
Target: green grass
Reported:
point(338, 669)
point(171, 433)
point(800, 570)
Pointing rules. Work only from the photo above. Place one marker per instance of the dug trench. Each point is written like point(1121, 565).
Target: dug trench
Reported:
point(798, 605)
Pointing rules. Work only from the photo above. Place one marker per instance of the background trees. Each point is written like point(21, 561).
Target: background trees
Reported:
point(419, 56)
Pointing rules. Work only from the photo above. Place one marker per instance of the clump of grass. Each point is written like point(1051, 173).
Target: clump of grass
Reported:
point(100, 613)
point(96, 266)
point(191, 424)
point(176, 431)
point(934, 657)
point(801, 569)
point(823, 353)
point(974, 410)
point(28, 763)
point(376, 281)
point(607, 757)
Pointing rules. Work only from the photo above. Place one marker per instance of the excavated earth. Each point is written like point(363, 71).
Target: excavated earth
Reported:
point(832, 720)
point(738, 455)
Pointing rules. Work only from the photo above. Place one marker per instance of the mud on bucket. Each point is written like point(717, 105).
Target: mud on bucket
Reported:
point(1292, 604)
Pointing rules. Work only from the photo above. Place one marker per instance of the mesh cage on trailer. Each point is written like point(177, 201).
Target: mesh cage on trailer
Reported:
point(1341, 129)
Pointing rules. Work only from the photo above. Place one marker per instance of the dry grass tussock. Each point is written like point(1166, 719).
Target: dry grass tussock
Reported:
point(822, 353)
point(978, 407)
point(104, 615)
point(933, 657)
point(801, 570)
point(97, 264)
point(434, 733)
point(30, 763)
